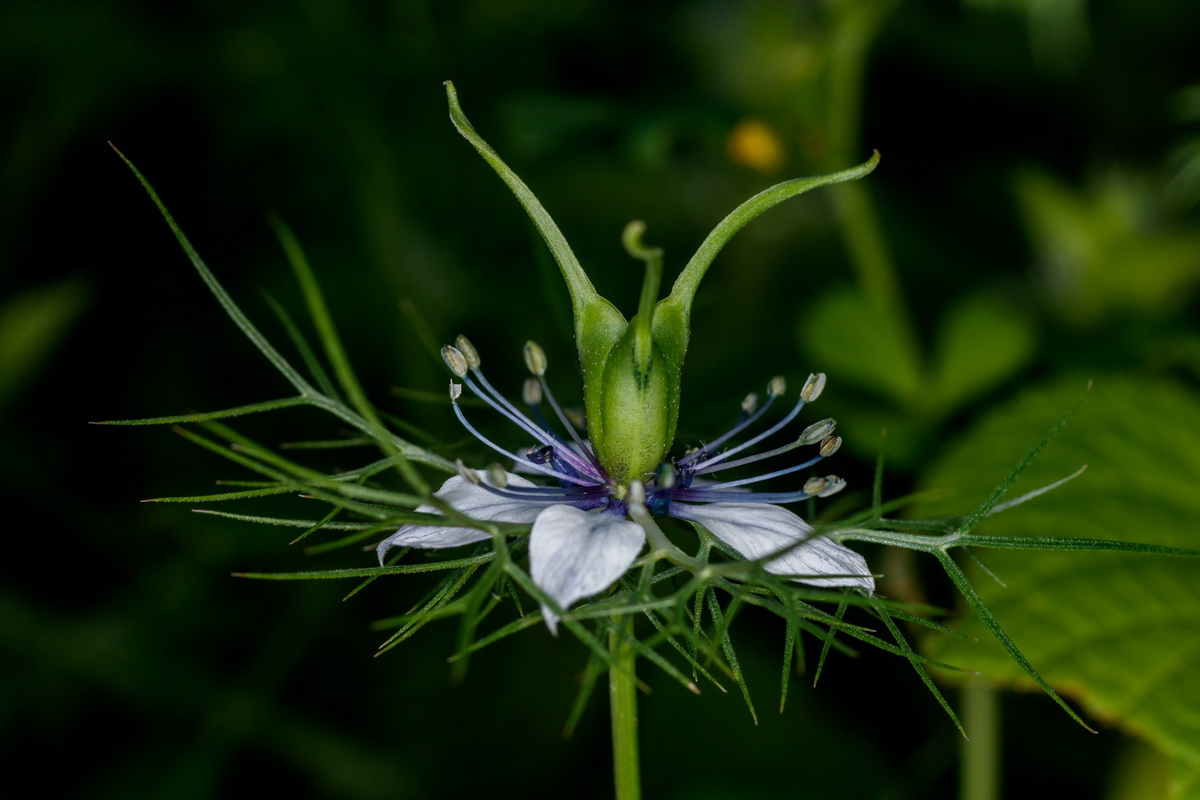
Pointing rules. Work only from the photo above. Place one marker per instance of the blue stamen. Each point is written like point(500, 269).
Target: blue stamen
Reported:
point(704, 465)
point(562, 476)
point(751, 459)
point(514, 415)
point(579, 498)
point(743, 423)
point(767, 476)
point(583, 445)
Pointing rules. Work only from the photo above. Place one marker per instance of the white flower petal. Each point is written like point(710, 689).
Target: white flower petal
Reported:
point(757, 530)
point(474, 501)
point(575, 554)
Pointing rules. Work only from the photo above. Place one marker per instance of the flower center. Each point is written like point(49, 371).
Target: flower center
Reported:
point(579, 471)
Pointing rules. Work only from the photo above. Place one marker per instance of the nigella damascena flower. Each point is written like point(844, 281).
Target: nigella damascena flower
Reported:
point(591, 515)
point(582, 540)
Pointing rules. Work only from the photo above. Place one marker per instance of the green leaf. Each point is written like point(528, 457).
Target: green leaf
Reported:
point(854, 341)
point(1102, 249)
point(1117, 630)
point(981, 343)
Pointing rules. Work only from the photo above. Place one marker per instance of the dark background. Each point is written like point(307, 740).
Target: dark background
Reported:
point(132, 664)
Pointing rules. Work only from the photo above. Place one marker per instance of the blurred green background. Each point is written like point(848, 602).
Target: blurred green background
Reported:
point(1034, 224)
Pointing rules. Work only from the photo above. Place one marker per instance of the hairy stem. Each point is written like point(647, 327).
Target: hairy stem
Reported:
point(622, 696)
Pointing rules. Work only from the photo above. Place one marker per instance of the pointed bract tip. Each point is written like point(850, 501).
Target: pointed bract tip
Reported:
point(455, 391)
point(531, 392)
point(455, 360)
point(535, 358)
point(468, 351)
point(813, 387)
point(777, 386)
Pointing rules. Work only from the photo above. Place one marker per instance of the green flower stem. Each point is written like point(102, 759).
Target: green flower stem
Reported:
point(980, 756)
point(622, 697)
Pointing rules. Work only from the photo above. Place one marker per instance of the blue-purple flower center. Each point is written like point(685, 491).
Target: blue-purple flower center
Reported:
point(580, 479)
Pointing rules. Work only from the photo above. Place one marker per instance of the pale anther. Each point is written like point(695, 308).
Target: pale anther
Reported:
point(531, 392)
point(454, 360)
point(813, 387)
point(469, 352)
point(665, 477)
point(575, 416)
point(750, 403)
point(637, 493)
point(777, 386)
point(815, 485)
point(818, 430)
point(455, 391)
point(496, 476)
point(831, 445)
point(836, 484)
point(535, 358)
point(468, 475)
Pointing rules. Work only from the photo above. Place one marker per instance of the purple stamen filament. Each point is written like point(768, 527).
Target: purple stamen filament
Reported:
point(747, 419)
point(706, 464)
point(585, 484)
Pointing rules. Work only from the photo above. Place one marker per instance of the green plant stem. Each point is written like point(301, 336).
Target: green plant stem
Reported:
point(855, 28)
point(622, 697)
point(980, 756)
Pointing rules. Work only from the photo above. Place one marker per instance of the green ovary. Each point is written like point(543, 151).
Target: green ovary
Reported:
point(636, 425)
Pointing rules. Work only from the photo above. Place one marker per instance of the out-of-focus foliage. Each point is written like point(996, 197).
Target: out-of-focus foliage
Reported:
point(1116, 631)
point(1019, 140)
point(1107, 249)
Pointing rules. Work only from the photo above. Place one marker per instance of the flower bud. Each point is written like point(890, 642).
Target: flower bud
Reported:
point(813, 387)
point(469, 352)
point(535, 358)
point(454, 360)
